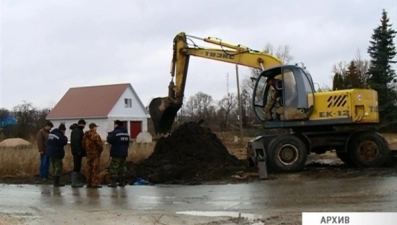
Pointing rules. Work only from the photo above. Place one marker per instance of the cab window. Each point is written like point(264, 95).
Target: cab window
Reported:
point(290, 90)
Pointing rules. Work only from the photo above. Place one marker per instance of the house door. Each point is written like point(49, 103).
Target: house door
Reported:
point(135, 128)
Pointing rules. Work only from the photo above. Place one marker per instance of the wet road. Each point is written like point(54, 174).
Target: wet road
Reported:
point(274, 201)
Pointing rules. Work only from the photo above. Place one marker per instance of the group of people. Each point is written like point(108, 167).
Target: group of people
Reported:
point(51, 143)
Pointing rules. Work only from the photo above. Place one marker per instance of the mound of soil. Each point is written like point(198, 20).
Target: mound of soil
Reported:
point(14, 143)
point(190, 154)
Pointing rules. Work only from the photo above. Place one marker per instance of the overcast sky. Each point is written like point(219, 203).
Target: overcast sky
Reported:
point(50, 46)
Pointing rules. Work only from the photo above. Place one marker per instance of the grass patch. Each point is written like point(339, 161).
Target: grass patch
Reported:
point(22, 162)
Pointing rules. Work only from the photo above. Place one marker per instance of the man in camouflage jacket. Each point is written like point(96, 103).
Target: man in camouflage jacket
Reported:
point(93, 146)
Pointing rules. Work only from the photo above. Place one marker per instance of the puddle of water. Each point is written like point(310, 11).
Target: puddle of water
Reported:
point(249, 216)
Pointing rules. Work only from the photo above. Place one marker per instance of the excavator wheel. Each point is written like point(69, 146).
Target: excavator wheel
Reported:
point(369, 149)
point(287, 153)
point(163, 112)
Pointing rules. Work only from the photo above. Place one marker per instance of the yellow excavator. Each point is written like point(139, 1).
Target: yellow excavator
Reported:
point(163, 110)
point(312, 118)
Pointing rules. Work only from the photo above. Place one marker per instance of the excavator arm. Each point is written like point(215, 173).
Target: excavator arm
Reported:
point(163, 110)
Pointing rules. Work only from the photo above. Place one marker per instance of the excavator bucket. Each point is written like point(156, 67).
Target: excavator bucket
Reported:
point(163, 113)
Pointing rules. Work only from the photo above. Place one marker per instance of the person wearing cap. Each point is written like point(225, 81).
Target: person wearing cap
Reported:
point(78, 152)
point(41, 139)
point(120, 141)
point(56, 143)
point(93, 146)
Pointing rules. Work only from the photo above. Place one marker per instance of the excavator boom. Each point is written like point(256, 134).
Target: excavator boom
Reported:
point(163, 110)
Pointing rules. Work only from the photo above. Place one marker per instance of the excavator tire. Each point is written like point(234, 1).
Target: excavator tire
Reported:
point(287, 153)
point(369, 149)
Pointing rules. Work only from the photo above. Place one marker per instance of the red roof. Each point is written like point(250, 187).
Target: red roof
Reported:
point(88, 102)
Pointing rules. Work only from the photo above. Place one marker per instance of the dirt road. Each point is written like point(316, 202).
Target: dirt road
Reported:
point(279, 201)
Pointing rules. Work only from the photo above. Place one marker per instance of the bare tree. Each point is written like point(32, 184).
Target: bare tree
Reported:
point(51, 104)
point(226, 105)
point(362, 67)
point(199, 106)
point(25, 114)
point(340, 68)
point(39, 117)
point(282, 52)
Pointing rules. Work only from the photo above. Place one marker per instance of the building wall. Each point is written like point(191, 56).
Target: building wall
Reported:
point(103, 125)
point(134, 112)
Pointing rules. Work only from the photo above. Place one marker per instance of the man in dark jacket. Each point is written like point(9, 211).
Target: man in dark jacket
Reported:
point(78, 152)
point(120, 141)
point(42, 138)
point(56, 143)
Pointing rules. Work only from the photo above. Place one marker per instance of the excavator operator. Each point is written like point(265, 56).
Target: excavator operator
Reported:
point(275, 93)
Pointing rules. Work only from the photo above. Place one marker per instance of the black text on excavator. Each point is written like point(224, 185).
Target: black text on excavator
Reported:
point(284, 97)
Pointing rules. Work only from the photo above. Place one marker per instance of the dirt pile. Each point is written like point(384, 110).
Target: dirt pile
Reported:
point(190, 154)
point(14, 143)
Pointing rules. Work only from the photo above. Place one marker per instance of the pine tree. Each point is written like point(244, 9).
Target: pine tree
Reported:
point(335, 82)
point(344, 79)
point(338, 82)
point(353, 76)
point(382, 51)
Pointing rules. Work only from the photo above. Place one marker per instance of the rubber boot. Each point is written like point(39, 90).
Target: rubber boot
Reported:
point(56, 182)
point(122, 181)
point(96, 186)
point(75, 180)
point(113, 182)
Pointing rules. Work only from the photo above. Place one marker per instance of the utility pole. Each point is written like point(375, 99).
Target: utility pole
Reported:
point(239, 105)
point(227, 82)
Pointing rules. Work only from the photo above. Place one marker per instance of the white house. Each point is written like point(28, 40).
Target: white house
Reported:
point(101, 105)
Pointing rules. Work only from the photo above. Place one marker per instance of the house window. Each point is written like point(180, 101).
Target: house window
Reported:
point(127, 103)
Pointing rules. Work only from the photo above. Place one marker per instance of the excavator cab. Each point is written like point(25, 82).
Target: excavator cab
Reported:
point(295, 101)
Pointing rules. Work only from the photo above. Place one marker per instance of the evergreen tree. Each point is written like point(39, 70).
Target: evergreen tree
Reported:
point(353, 76)
point(381, 75)
point(338, 83)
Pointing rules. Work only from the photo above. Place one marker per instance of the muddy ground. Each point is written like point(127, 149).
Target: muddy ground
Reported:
point(192, 154)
